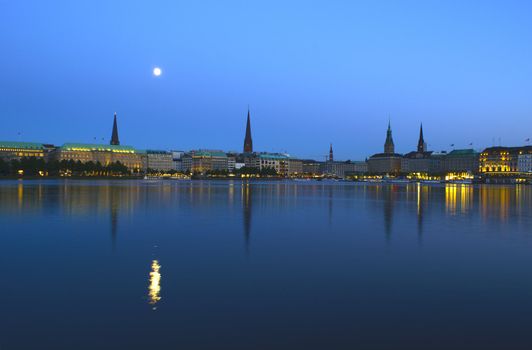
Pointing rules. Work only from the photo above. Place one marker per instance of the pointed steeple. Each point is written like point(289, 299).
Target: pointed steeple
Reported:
point(331, 158)
point(421, 142)
point(248, 142)
point(114, 135)
point(389, 147)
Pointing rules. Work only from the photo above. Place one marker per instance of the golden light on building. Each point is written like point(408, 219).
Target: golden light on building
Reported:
point(459, 176)
point(154, 289)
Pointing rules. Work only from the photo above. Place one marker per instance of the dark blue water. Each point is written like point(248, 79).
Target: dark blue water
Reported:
point(271, 265)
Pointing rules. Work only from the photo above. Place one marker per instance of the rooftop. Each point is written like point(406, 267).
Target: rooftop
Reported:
point(89, 147)
point(206, 153)
point(154, 151)
point(272, 156)
point(462, 152)
point(23, 145)
point(509, 149)
point(387, 155)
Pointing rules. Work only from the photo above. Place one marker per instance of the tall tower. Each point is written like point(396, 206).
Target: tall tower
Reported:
point(114, 135)
point(331, 158)
point(421, 148)
point(389, 147)
point(248, 142)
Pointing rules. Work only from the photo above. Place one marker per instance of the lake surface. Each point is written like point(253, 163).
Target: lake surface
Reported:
point(264, 265)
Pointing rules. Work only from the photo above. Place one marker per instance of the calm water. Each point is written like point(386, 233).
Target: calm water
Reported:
point(226, 265)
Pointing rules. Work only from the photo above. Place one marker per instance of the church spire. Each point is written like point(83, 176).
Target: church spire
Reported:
point(248, 142)
point(421, 142)
point(114, 136)
point(331, 158)
point(389, 147)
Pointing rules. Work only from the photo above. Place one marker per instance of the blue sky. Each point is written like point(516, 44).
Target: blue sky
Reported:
point(313, 72)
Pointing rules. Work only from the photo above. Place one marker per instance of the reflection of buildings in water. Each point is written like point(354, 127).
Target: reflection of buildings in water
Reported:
point(20, 194)
point(419, 202)
point(458, 197)
point(388, 196)
point(330, 192)
point(246, 212)
point(154, 288)
point(113, 205)
point(450, 198)
point(495, 200)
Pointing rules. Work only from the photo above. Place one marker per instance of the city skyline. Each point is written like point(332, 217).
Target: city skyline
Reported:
point(312, 75)
point(389, 146)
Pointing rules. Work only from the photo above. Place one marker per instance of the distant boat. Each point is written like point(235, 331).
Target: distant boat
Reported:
point(431, 181)
point(463, 182)
point(397, 181)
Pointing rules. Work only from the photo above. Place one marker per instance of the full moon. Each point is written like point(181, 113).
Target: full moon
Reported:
point(157, 71)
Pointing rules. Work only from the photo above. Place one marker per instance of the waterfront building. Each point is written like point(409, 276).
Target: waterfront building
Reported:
point(186, 162)
point(231, 162)
point(524, 163)
point(312, 167)
point(158, 160)
point(104, 154)
point(343, 169)
point(388, 162)
point(501, 160)
point(15, 150)
point(248, 142)
point(177, 159)
point(295, 166)
point(263, 160)
point(200, 161)
point(461, 161)
point(420, 161)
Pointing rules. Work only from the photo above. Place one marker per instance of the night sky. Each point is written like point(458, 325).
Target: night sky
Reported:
point(311, 72)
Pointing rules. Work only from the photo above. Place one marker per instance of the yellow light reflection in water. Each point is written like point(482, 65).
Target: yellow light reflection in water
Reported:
point(450, 198)
point(458, 197)
point(20, 194)
point(155, 283)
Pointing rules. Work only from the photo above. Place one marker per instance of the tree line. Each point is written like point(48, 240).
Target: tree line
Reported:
point(33, 166)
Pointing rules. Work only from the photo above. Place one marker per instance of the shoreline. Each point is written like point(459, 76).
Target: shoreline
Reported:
point(251, 179)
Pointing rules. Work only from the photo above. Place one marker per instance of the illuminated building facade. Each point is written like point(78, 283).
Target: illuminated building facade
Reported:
point(262, 161)
point(105, 154)
point(15, 150)
point(205, 160)
point(157, 160)
point(502, 160)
